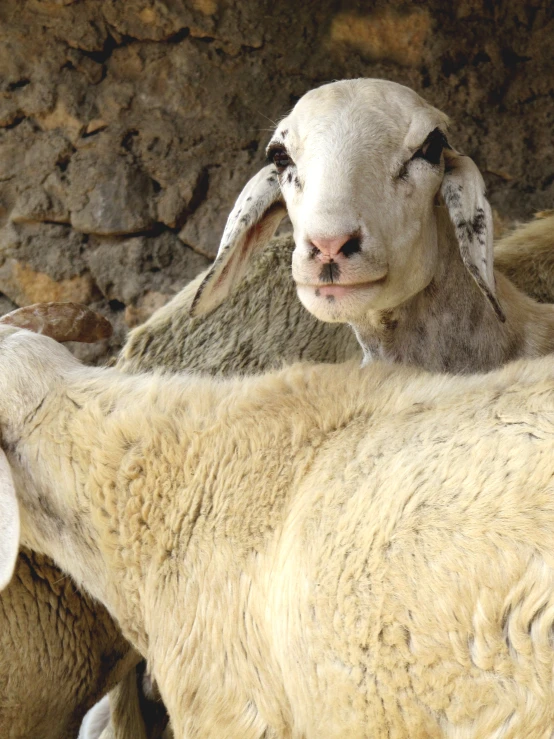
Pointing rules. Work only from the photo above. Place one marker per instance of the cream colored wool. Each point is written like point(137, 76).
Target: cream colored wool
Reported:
point(322, 551)
point(68, 635)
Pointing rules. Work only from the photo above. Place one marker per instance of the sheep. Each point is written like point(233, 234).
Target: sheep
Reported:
point(393, 232)
point(171, 339)
point(256, 329)
point(234, 338)
point(81, 638)
point(305, 553)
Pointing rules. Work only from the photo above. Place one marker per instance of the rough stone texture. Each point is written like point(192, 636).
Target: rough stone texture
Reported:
point(127, 127)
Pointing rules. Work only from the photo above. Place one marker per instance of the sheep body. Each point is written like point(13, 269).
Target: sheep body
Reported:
point(34, 604)
point(332, 564)
point(255, 331)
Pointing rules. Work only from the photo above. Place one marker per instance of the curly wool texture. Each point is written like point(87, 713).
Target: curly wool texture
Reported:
point(378, 564)
point(60, 652)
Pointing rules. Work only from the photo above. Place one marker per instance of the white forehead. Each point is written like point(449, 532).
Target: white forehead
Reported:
point(362, 109)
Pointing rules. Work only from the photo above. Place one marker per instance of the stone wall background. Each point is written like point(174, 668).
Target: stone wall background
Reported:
point(128, 127)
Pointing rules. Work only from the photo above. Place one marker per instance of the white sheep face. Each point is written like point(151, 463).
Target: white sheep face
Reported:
point(360, 202)
point(358, 165)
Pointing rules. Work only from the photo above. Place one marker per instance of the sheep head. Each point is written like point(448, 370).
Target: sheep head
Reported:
point(360, 166)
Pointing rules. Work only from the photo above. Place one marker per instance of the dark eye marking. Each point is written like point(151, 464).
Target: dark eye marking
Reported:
point(278, 155)
point(430, 151)
point(432, 147)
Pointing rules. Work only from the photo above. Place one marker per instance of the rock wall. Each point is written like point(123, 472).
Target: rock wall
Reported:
point(127, 127)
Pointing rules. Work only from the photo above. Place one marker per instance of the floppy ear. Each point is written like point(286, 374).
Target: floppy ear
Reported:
point(251, 224)
point(463, 191)
point(9, 523)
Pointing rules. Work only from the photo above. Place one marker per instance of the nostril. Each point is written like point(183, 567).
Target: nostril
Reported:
point(314, 251)
point(352, 246)
point(327, 249)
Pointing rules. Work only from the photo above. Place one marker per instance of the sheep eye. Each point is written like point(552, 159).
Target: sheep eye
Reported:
point(278, 155)
point(432, 147)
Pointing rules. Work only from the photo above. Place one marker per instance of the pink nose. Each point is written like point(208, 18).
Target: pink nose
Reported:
point(340, 246)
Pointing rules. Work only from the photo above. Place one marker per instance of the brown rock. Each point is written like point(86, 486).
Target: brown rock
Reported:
point(37, 204)
point(146, 305)
point(98, 124)
point(24, 286)
point(206, 7)
point(109, 195)
point(172, 206)
point(155, 21)
point(61, 321)
point(92, 70)
point(388, 34)
point(56, 250)
point(125, 269)
point(83, 24)
point(177, 200)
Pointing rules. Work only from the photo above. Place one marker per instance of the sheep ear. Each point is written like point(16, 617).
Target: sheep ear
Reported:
point(463, 191)
point(9, 523)
point(251, 224)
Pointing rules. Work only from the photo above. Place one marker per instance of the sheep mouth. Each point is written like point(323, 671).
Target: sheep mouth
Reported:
point(340, 289)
